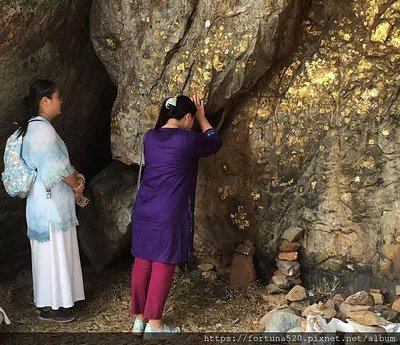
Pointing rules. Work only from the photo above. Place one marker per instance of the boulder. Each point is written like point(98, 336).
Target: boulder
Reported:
point(105, 232)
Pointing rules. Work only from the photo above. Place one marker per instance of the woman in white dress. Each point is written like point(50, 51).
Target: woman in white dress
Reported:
point(50, 208)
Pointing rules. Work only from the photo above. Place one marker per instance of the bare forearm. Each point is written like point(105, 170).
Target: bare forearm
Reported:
point(203, 122)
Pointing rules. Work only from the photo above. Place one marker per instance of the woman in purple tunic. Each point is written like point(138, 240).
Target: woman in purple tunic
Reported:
point(163, 218)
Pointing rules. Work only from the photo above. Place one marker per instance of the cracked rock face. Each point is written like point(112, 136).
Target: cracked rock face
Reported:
point(314, 143)
point(318, 146)
point(218, 49)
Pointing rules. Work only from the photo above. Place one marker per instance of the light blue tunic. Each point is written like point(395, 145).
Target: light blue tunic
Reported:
point(45, 151)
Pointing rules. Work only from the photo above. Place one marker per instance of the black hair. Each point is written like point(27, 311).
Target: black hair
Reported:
point(39, 89)
point(184, 105)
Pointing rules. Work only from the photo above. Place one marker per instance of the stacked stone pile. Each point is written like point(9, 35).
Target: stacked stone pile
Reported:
point(288, 273)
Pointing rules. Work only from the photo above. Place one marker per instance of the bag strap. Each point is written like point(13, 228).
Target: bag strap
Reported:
point(138, 183)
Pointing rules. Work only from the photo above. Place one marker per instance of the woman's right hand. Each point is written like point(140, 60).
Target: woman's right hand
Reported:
point(81, 186)
point(78, 196)
point(200, 113)
point(198, 102)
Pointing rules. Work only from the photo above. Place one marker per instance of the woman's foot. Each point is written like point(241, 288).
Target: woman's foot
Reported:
point(40, 309)
point(60, 315)
point(138, 325)
point(161, 332)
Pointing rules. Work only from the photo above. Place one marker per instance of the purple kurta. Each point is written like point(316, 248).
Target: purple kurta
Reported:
point(163, 216)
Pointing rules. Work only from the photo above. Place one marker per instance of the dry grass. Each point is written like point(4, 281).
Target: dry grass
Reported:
point(195, 304)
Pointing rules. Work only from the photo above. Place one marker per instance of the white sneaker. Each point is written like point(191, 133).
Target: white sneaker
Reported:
point(138, 327)
point(157, 333)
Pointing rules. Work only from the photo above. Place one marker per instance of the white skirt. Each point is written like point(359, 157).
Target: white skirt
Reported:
point(56, 270)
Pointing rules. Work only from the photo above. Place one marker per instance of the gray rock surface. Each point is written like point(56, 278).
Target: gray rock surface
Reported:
point(105, 231)
point(218, 49)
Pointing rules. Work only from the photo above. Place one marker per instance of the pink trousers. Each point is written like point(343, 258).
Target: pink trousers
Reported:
point(150, 285)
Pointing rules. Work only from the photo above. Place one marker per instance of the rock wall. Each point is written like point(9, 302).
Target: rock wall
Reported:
point(317, 146)
point(218, 49)
point(47, 39)
point(311, 139)
point(306, 97)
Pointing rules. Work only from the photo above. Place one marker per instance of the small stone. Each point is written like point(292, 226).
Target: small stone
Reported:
point(396, 305)
point(346, 309)
point(287, 246)
point(210, 275)
point(397, 290)
point(243, 272)
point(294, 277)
point(314, 309)
point(303, 325)
point(280, 280)
point(324, 310)
point(289, 256)
point(273, 289)
point(338, 297)
point(329, 313)
point(205, 267)
point(299, 306)
point(274, 301)
point(297, 293)
point(295, 282)
point(378, 298)
point(330, 304)
point(248, 242)
point(367, 318)
point(360, 298)
point(361, 328)
point(245, 249)
point(289, 268)
point(390, 315)
point(292, 233)
point(371, 291)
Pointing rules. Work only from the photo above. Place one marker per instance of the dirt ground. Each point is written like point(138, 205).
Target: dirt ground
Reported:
point(195, 304)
